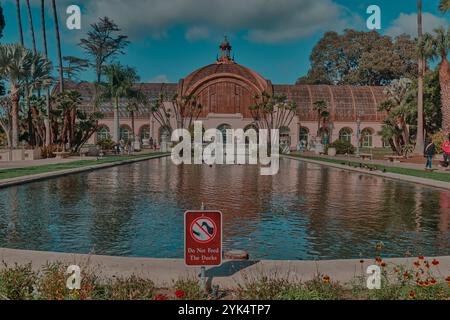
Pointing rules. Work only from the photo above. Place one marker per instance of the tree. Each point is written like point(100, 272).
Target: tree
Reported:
point(444, 6)
point(361, 58)
point(136, 99)
point(2, 21)
point(401, 114)
point(74, 66)
point(19, 19)
point(72, 126)
point(15, 66)
point(421, 67)
point(5, 118)
point(102, 44)
point(437, 46)
point(183, 109)
point(273, 111)
point(321, 108)
point(119, 84)
point(47, 93)
point(58, 45)
point(30, 21)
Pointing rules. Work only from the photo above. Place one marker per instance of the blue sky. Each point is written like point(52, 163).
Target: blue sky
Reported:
point(171, 38)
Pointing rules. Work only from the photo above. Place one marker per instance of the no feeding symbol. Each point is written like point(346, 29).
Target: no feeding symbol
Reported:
point(203, 229)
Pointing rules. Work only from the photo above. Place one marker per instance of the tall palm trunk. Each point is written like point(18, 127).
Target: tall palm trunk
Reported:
point(19, 19)
point(48, 139)
point(116, 134)
point(444, 80)
point(132, 126)
point(421, 66)
point(58, 42)
point(15, 98)
point(30, 21)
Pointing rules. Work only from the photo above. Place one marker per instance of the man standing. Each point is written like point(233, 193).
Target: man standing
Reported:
point(446, 150)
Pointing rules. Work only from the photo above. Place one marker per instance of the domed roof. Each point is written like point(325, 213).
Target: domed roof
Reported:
point(218, 70)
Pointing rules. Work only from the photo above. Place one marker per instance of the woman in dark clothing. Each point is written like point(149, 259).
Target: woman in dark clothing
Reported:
point(430, 151)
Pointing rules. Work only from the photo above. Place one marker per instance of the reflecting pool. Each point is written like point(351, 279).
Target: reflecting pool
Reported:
point(307, 211)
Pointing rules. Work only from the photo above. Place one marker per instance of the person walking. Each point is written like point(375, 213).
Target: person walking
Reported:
point(430, 151)
point(446, 150)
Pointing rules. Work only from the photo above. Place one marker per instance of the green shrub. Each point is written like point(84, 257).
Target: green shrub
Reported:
point(131, 288)
point(18, 282)
point(190, 289)
point(106, 144)
point(342, 147)
point(438, 139)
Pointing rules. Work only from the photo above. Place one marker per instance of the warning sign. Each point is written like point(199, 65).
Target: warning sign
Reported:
point(203, 238)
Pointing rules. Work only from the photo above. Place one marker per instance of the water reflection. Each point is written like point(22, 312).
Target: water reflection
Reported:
point(305, 212)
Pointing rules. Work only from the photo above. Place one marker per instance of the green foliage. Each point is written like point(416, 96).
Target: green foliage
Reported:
point(17, 282)
point(361, 58)
point(438, 139)
point(130, 288)
point(106, 144)
point(342, 147)
point(191, 289)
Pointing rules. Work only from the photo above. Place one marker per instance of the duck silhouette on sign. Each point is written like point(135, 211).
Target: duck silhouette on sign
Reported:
point(206, 226)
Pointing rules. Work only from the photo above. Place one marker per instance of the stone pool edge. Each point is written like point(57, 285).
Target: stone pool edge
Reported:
point(388, 175)
point(232, 274)
point(59, 173)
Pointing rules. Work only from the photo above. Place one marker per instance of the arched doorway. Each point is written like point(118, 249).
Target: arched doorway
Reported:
point(367, 138)
point(303, 136)
point(164, 134)
point(144, 132)
point(125, 133)
point(285, 137)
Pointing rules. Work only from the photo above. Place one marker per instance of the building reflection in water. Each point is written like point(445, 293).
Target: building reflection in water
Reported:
point(306, 211)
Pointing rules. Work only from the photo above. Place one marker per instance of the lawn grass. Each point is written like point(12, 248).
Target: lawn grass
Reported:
point(20, 172)
point(438, 176)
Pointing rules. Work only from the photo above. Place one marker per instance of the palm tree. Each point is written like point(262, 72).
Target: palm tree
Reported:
point(58, 42)
point(47, 94)
point(119, 84)
point(438, 47)
point(136, 98)
point(444, 6)
point(15, 66)
point(30, 21)
point(321, 108)
point(19, 19)
point(420, 128)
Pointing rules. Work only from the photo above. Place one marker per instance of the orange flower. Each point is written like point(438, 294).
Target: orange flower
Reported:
point(406, 275)
point(435, 262)
point(433, 281)
point(412, 294)
point(419, 283)
point(425, 283)
point(378, 260)
point(326, 279)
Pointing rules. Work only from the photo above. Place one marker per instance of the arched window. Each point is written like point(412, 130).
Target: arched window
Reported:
point(144, 132)
point(304, 135)
point(223, 128)
point(125, 133)
point(345, 134)
point(103, 133)
point(285, 136)
point(367, 138)
point(250, 127)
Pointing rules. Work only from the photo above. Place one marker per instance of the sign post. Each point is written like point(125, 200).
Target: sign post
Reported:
point(203, 239)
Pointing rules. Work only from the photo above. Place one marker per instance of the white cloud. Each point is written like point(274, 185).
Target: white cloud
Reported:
point(197, 33)
point(161, 78)
point(407, 24)
point(264, 21)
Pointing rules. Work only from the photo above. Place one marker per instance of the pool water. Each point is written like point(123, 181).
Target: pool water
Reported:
point(306, 211)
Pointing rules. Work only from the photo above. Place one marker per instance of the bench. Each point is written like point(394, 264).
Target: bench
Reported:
point(393, 158)
point(62, 155)
point(365, 156)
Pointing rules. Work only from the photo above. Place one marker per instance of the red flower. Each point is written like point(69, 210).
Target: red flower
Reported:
point(427, 265)
point(161, 297)
point(383, 264)
point(326, 279)
point(433, 281)
point(417, 263)
point(435, 262)
point(421, 257)
point(406, 275)
point(179, 294)
point(412, 294)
